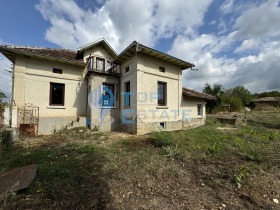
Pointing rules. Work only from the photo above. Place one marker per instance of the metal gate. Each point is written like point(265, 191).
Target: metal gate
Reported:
point(28, 119)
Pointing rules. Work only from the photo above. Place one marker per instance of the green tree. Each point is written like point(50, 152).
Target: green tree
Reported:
point(234, 102)
point(240, 92)
point(217, 90)
point(2, 96)
point(267, 94)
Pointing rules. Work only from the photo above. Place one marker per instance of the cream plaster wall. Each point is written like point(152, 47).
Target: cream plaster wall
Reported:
point(148, 76)
point(111, 120)
point(32, 78)
point(189, 107)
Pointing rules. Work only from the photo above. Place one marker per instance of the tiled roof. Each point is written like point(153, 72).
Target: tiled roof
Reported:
point(267, 99)
point(195, 94)
point(64, 55)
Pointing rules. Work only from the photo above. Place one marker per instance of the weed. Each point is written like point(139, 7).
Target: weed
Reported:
point(171, 152)
point(95, 128)
point(255, 154)
point(240, 176)
point(214, 149)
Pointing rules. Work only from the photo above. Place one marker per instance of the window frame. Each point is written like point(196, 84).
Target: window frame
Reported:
point(164, 101)
point(112, 85)
point(51, 94)
point(90, 61)
point(100, 59)
point(125, 90)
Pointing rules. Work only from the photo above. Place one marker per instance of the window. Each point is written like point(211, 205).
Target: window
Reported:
point(100, 64)
point(162, 125)
point(161, 69)
point(162, 93)
point(108, 94)
point(57, 94)
point(127, 94)
point(199, 110)
point(126, 69)
point(90, 62)
point(57, 71)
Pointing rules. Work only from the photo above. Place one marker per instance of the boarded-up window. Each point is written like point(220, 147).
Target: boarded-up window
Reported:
point(57, 94)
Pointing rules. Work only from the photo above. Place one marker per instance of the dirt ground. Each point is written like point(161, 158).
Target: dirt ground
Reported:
point(81, 169)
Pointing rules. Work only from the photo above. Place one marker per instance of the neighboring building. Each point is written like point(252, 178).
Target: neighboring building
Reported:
point(138, 91)
point(265, 102)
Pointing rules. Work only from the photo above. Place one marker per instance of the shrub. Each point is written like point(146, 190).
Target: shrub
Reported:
point(6, 139)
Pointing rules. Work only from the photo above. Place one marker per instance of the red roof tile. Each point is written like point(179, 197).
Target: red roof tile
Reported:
point(64, 55)
point(195, 94)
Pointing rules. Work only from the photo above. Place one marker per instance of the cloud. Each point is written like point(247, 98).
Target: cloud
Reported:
point(243, 51)
point(72, 26)
point(256, 72)
point(227, 6)
point(259, 22)
point(247, 44)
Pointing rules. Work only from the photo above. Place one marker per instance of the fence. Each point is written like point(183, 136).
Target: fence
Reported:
point(28, 119)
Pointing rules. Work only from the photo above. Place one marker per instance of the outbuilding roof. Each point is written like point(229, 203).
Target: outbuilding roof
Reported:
point(61, 55)
point(267, 99)
point(195, 94)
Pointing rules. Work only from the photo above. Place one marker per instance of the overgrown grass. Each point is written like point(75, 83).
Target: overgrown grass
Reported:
point(80, 173)
point(270, 118)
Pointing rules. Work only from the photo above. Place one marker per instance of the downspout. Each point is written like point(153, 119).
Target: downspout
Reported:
point(12, 97)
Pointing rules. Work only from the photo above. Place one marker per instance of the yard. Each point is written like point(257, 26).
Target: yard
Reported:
point(269, 118)
point(209, 167)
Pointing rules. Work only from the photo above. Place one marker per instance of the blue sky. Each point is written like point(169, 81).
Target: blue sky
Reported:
point(231, 42)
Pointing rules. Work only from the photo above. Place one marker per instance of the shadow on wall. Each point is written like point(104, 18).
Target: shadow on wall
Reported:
point(81, 100)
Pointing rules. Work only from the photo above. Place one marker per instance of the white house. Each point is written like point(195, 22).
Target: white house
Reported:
point(138, 91)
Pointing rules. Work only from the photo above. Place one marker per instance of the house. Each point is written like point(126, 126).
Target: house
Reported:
point(137, 91)
point(266, 102)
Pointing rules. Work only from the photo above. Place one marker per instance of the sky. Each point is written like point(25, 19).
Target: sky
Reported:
point(231, 42)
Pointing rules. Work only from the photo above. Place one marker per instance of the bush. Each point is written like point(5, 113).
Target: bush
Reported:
point(6, 139)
